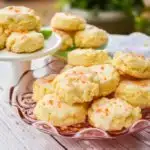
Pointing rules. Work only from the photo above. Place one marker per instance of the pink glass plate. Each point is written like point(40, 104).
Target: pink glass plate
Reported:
point(21, 99)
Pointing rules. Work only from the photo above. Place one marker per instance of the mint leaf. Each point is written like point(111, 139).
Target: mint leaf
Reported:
point(46, 33)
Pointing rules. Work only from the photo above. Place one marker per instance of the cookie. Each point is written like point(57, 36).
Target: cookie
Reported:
point(131, 64)
point(112, 114)
point(28, 42)
point(19, 18)
point(88, 57)
point(91, 37)
point(58, 113)
point(67, 22)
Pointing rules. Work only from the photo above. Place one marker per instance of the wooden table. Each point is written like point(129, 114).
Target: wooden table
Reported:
point(16, 135)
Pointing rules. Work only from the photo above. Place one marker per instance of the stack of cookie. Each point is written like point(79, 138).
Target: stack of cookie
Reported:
point(95, 90)
point(19, 30)
point(76, 33)
point(135, 83)
point(107, 92)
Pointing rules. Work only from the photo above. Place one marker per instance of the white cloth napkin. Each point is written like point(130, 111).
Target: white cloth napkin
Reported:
point(135, 42)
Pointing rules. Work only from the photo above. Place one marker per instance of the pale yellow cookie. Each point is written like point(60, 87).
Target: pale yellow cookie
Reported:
point(88, 57)
point(42, 86)
point(58, 113)
point(76, 85)
point(25, 42)
point(136, 92)
point(91, 37)
point(67, 41)
point(113, 114)
point(67, 22)
point(3, 37)
point(107, 77)
point(132, 64)
point(19, 18)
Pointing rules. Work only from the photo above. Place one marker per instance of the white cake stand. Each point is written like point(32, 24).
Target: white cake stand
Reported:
point(22, 62)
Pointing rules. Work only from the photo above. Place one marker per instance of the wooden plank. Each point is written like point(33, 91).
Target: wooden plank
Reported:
point(18, 134)
point(147, 130)
point(6, 137)
point(91, 144)
point(143, 136)
point(131, 142)
point(102, 144)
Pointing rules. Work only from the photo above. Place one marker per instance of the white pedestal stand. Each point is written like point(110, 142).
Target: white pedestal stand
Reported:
point(20, 63)
point(18, 68)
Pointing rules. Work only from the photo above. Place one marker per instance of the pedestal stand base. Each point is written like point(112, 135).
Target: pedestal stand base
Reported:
point(18, 68)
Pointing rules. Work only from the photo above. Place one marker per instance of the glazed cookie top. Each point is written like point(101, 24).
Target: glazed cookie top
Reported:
point(132, 64)
point(76, 85)
point(88, 57)
point(112, 114)
point(15, 10)
point(42, 86)
point(19, 18)
point(107, 77)
point(104, 72)
point(67, 22)
point(59, 113)
point(25, 42)
point(91, 37)
point(136, 92)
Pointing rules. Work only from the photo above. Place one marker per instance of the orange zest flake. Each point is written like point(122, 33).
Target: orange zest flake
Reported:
point(143, 84)
point(141, 56)
point(99, 110)
point(106, 111)
point(17, 10)
point(59, 104)
point(49, 78)
point(43, 80)
point(24, 31)
point(83, 81)
point(105, 78)
point(102, 67)
point(51, 102)
point(80, 72)
point(7, 31)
